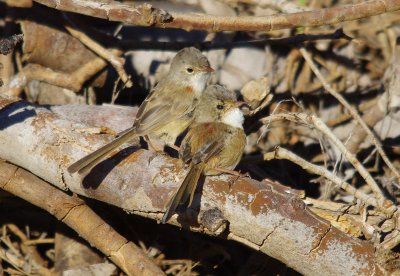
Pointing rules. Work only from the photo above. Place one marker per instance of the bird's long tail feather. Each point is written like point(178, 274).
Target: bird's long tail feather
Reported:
point(92, 159)
point(185, 191)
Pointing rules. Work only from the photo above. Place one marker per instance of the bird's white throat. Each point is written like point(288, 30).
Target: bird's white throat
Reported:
point(234, 117)
point(198, 82)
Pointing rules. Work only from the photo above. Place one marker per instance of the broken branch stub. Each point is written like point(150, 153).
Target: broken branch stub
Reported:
point(256, 214)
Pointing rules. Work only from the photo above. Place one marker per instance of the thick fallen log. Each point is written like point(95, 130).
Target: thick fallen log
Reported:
point(259, 214)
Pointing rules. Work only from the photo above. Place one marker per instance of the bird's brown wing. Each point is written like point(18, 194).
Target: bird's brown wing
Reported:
point(199, 161)
point(199, 146)
point(160, 108)
point(157, 110)
point(185, 150)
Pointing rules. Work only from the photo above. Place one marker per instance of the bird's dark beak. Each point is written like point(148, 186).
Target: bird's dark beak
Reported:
point(207, 69)
point(240, 104)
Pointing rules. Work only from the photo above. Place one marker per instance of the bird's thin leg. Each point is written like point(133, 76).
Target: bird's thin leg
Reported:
point(153, 147)
point(158, 150)
point(232, 172)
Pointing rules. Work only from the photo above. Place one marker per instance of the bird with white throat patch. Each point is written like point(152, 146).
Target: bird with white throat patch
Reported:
point(215, 142)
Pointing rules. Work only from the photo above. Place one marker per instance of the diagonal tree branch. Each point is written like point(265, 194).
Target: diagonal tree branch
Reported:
point(146, 15)
point(261, 215)
point(72, 211)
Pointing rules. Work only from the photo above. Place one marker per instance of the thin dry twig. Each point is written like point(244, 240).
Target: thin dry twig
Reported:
point(18, 257)
point(116, 91)
point(73, 81)
point(114, 60)
point(281, 153)
point(352, 111)
point(25, 246)
point(266, 101)
point(39, 241)
point(313, 120)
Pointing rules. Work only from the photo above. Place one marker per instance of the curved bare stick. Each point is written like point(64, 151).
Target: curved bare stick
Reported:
point(113, 58)
point(261, 215)
point(385, 204)
point(146, 15)
point(73, 81)
point(73, 211)
point(281, 153)
point(374, 138)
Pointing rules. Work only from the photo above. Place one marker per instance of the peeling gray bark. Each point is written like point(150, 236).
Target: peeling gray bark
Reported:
point(261, 215)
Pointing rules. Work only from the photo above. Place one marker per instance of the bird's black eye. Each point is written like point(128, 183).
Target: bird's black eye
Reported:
point(189, 70)
point(220, 106)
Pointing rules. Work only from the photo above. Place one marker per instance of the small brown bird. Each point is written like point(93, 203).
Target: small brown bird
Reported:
point(168, 109)
point(214, 142)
